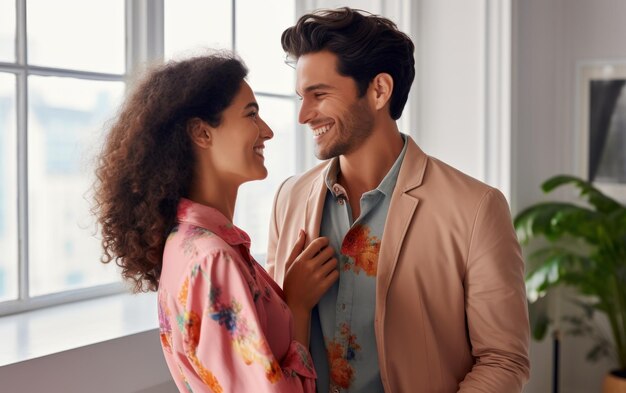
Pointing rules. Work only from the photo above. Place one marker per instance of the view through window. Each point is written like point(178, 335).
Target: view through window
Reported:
point(63, 73)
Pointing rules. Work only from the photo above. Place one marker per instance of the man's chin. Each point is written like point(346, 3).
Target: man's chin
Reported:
point(330, 151)
point(322, 155)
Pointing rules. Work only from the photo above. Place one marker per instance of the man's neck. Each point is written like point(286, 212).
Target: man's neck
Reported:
point(364, 169)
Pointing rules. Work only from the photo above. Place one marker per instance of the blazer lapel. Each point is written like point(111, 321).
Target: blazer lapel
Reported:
point(401, 210)
point(315, 207)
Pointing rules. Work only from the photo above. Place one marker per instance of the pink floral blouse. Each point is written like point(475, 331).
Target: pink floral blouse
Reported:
point(224, 324)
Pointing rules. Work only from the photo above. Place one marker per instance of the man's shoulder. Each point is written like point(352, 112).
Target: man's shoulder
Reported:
point(442, 178)
point(456, 175)
point(429, 176)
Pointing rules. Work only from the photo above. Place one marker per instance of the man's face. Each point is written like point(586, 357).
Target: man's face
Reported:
point(339, 121)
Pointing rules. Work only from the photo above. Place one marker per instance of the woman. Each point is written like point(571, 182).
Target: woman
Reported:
point(186, 138)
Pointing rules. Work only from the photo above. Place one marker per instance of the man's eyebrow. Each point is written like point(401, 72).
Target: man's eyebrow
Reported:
point(318, 86)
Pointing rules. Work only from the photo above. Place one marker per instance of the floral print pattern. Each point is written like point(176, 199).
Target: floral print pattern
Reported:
point(192, 234)
point(362, 250)
point(340, 353)
point(205, 375)
point(210, 311)
point(164, 327)
point(246, 340)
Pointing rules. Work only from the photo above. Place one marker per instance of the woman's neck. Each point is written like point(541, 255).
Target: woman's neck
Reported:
point(211, 191)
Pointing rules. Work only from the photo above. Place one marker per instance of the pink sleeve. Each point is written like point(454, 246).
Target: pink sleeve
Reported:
point(223, 339)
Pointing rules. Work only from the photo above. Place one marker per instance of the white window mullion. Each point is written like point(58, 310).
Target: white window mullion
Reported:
point(22, 151)
point(144, 33)
point(305, 157)
point(54, 299)
point(233, 25)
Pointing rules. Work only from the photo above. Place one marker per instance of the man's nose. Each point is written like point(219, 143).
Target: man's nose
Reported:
point(306, 112)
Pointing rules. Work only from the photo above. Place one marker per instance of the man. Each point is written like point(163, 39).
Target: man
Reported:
point(431, 294)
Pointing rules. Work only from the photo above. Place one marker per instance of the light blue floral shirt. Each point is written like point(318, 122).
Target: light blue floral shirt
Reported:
point(343, 344)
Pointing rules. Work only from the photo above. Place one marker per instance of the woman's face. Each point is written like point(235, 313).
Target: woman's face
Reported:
point(238, 142)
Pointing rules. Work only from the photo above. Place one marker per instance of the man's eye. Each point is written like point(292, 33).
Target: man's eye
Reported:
point(253, 115)
point(319, 95)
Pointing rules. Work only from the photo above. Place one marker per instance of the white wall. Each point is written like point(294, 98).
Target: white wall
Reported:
point(450, 72)
point(131, 364)
point(551, 37)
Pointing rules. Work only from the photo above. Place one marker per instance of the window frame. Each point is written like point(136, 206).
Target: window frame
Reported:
point(144, 24)
point(21, 69)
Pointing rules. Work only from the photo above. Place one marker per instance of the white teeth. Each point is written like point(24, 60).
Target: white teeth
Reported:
point(258, 150)
point(321, 130)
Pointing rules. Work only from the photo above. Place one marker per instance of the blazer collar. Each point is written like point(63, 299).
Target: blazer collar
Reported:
point(413, 168)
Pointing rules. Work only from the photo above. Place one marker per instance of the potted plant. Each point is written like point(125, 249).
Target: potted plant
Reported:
point(582, 246)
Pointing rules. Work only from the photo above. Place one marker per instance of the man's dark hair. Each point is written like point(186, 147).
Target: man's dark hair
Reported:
point(365, 45)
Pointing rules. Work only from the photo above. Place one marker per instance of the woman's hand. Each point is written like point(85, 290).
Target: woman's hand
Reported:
point(311, 272)
point(309, 275)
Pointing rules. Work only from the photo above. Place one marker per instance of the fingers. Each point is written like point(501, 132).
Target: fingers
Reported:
point(328, 267)
point(297, 248)
point(329, 280)
point(314, 248)
point(324, 255)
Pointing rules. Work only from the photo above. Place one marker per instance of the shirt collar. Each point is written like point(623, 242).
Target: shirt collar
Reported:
point(389, 181)
point(330, 178)
point(386, 186)
point(211, 219)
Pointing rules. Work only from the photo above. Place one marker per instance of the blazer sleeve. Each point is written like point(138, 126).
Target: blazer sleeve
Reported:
point(496, 306)
point(223, 339)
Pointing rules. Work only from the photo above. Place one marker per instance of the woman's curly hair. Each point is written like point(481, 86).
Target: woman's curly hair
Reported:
point(146, 164)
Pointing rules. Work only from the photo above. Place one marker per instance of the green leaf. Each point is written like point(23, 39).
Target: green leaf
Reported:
point(595, 197)
point(549, 267)
point(557, 219)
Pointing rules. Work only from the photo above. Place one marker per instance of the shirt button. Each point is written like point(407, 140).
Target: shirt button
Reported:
point(343, 306)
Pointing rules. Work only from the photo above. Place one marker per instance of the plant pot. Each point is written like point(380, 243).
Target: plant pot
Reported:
point(615, 382)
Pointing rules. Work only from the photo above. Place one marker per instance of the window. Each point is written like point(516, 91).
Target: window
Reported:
point(57, 88)
point(63, 77)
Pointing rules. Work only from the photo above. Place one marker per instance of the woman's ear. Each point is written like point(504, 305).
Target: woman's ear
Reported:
point(381, 89)
point(200, 132)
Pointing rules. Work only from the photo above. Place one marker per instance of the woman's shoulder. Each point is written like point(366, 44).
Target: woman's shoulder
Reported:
point(193, 241)
point(190, 247)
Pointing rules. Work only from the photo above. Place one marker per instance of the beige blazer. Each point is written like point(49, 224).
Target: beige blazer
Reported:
point(451, 310)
